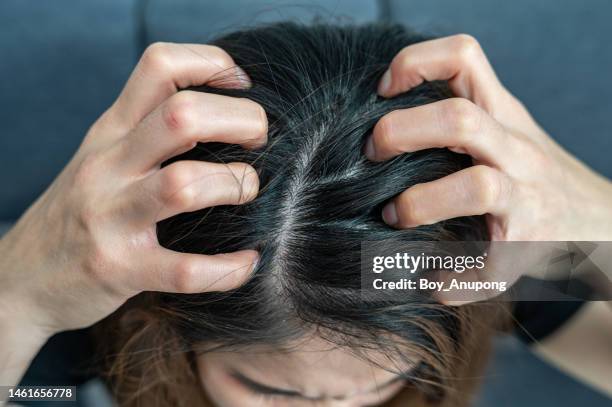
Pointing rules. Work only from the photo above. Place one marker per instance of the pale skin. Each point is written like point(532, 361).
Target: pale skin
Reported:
point(529, 187)
point(88, 243)
point(521, 177)
point(312, 372)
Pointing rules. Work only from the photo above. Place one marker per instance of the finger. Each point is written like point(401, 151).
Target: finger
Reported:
point(164, 68)
point(458, 59)
point(472, 191)
point(169, 271)
point(189, 117)
point(456, 123)
point(186, 186)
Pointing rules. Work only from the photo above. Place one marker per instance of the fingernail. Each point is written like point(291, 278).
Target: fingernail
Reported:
point(243, 78)
point(385, 83)
point(255, 264)
point(389, 214)
point(370, 150)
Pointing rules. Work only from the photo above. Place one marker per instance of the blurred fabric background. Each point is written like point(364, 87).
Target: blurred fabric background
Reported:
point(63, 62)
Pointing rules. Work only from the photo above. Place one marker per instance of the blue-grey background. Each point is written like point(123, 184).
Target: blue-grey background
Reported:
point(63, 62)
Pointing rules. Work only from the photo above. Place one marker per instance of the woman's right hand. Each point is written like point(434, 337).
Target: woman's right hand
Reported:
point(89, 242)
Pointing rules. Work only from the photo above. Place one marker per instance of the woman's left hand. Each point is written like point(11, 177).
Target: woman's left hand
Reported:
point(528, 186)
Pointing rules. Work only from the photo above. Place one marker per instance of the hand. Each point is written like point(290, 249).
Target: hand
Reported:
point(529, 187)
point(89, 242)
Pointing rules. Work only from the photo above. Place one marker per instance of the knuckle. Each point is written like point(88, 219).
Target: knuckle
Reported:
point(185, 277)
point(157, 57)
point(218, 56)
point(179, 113)
point(466, 47)
point(183, 198)
point(261, 128)
point(488, 187)
point(405, 73)
point(403, 60)
point(176, 176)
point(177, 190)
point(383, 132)
point(463, 116)
point(257, 121)
point(407, 210)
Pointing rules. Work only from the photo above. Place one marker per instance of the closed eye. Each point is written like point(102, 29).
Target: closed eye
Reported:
point(269, 391)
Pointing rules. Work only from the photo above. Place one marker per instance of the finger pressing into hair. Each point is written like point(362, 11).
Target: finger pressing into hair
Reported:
point(169, 271)
point(459, 59)
point(455, 123)
point(190, 117)
point(186, 186)
point(164, 68)
point(472, 191)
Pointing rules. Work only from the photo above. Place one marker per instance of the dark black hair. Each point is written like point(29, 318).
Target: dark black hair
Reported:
point(319, 199)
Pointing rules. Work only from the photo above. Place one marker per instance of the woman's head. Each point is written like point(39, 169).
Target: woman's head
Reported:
point(299, 328)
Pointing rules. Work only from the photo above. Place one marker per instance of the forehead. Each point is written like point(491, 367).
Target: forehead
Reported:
point(313, 366)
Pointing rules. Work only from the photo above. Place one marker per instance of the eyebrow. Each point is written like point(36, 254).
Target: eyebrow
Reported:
point(269, 390)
